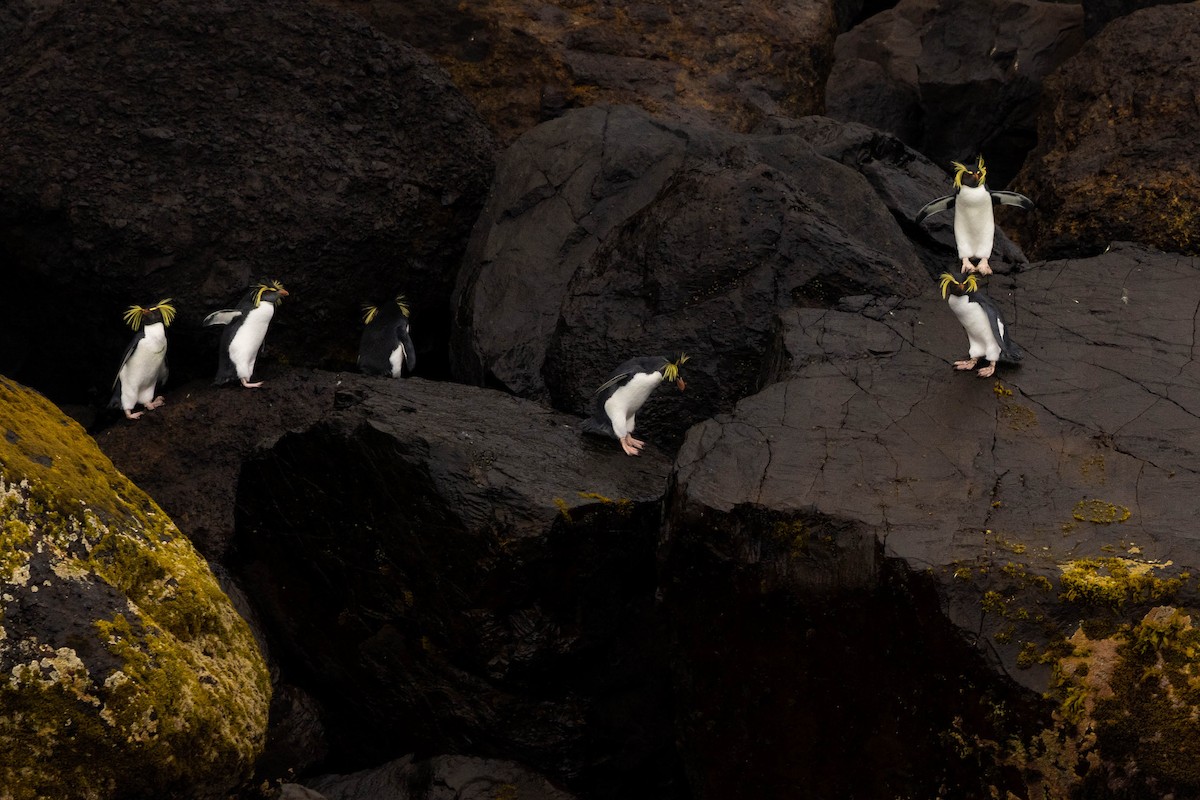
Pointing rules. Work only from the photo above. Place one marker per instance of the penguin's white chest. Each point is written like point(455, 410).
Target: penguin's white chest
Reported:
point(625, 402)
point(246, 342)
point(975, 322)
point(974, 222)
point(140, 373)
point(396, 359)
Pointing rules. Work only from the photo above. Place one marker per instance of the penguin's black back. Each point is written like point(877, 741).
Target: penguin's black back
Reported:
point(380, 337)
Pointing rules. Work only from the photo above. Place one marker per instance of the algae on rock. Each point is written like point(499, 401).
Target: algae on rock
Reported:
point(124, 669)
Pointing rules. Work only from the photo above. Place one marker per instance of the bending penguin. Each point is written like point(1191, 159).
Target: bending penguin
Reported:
point(245, 328)
point(618, 399)
point(144, 365)
point(385, 347)
point(987, 335)
point(974, 220)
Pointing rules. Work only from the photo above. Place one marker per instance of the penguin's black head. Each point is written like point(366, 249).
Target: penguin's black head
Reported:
point(371, 311)
point(162, 311)
point(671, 371)
point(270, 291)
point(958, 284)
point(975, 176)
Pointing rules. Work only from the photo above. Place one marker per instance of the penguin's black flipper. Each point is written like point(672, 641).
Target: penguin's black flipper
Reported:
point(598, 427)
point(222, 317)
point(1012, 199)
point(1009, 350)
point(935, 207)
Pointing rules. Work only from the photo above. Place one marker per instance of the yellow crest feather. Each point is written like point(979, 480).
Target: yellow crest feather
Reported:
point(262, 288)
point(970, 283)
point(671, 368)
point(134, 314)
point(402, 301)
point(369, 312)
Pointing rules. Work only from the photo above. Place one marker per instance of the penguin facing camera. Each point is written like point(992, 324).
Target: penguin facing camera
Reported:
point(987, 334)
point(245, 328)
point(386, 347)
point(974, 220)
point(618, 399)
point(144, 366)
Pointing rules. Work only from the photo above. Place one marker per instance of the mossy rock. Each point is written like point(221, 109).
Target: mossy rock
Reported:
point(127, 672)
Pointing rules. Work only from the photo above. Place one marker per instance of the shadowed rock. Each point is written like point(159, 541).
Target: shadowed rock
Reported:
point(1048, 512)
point(168, 149)
point(441, 778)
point(1116, 156)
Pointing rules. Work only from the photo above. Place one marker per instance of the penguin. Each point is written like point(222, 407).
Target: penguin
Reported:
point(974, 220)
point(246, 327)
point(144, 366)
point(385, 347)
point(619, 398)
point(987, 334)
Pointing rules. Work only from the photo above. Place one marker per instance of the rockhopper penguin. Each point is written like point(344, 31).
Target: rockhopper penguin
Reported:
point(987, 334)
point(144, 365)
point(619, 398)
point(385, 347)
point(974, 222)
point(245, 329)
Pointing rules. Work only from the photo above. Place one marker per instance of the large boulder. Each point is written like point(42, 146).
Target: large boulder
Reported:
point(128, 673)
point(1117, 153)
point(1034, 532)
point(610, 234)
point(523, 61)
point(954, 78)
point(173, 149)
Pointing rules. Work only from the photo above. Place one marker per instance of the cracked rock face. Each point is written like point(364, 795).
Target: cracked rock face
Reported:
point(1061, 492)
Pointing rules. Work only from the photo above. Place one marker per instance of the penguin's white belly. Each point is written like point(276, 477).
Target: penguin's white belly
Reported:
point(244, 347)
point(974, 222)
point(625, 402)
point(140, 373)
point(979, 329)
point(396, 359)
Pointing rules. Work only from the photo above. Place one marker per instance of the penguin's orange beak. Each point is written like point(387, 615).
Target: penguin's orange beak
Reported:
point(681, 384)
point(283, 292)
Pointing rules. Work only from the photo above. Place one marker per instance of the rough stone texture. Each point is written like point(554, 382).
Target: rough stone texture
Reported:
point(1098, 13)
point(128, 673)
point(1050, 510)
point(610, 234)
point(1117, 152)
point(441, 778)
point(953, 79)
point(173, 149)
point(441, 567)
point(713, 61)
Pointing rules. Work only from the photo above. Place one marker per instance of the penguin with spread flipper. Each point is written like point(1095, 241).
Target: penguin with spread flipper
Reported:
point(245, 329)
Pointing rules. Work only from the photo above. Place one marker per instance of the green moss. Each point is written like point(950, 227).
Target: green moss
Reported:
point(137, 678)
point(1114, 582)
point(1100, 512)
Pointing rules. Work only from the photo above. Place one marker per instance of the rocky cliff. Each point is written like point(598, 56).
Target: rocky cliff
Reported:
point(841, 568)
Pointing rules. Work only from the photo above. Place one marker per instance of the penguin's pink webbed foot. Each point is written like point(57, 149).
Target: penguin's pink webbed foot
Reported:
point(968, 364)
point(631, 446)
point(984, 268)
point(250, 385)
point(133, 414)
point(156, 402)
point(987, 371)
point(967, 266)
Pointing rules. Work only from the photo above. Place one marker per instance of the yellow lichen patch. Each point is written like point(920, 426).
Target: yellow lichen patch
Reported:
point(1114, 582)
point(1100, 512)
point(132, 674)
point(1018, 417)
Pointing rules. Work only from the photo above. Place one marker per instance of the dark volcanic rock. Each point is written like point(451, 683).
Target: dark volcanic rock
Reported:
point(524, 61)
point(1098, 13)
point(873, 497)
point(610, 235)
point(441, 778)
point(449, 569)
point(953, 79)
point(1117, 152)
point(173, 149)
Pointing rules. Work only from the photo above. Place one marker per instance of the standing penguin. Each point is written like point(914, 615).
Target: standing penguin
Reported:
point(974, 220)
point(144, 365)
point(619, 398)
point(246, 327)
point(987, 335)
point(385, 347)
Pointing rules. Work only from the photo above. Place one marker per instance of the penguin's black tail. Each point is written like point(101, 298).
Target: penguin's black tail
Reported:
point(597, 428)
